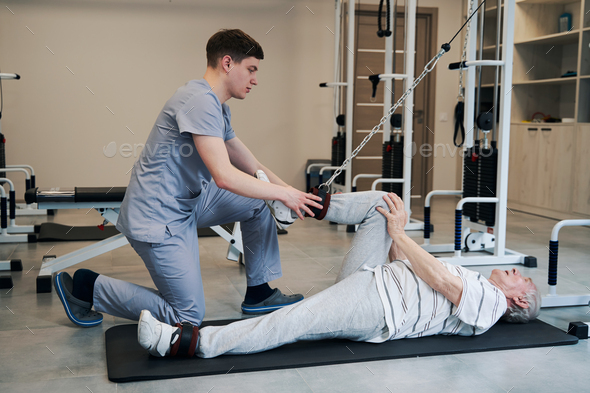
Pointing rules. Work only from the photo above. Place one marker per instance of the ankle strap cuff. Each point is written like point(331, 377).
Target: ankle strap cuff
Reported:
point(187, 342)
point(320, 214)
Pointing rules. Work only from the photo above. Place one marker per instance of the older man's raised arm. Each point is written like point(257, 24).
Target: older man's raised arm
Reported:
point(424, 265)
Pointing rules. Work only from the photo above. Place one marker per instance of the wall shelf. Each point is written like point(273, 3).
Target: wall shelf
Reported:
point(552, 81)
point(553, 2)
point(569, 37)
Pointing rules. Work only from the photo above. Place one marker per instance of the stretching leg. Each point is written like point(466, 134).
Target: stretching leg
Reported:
point(350, 309)
point(371, 243)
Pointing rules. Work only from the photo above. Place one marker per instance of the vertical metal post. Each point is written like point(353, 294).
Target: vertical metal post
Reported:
point(388, 69)
point(469, 91)
point(482, 17)
point(349, 91)
point(497, 70)
point(337, 55)
point(470, 81)
point(409, 103)
point(504, 128)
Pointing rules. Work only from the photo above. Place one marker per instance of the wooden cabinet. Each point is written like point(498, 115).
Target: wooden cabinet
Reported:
point(549, 171)
point(555, 165)
point(581, 189)
point(523, 168)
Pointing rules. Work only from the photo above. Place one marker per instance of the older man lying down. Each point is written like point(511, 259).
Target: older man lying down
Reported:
point(413, 295)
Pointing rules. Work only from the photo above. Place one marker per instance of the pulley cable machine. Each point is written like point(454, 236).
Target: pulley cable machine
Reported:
point(343, 131)
point(29, 172)
point(480, 216)
point(340, 119)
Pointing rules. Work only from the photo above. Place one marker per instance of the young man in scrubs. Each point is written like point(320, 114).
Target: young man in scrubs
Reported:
point(194, 172)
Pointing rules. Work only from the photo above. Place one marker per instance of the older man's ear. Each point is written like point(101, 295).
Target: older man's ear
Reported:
point(520, 301)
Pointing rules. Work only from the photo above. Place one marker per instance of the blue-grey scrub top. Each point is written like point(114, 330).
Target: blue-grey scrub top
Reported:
point(167, 178)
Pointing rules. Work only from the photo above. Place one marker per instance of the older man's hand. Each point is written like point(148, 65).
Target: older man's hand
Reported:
point(397, 217)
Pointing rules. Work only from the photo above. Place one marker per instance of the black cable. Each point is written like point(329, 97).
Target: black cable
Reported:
point(468, 19)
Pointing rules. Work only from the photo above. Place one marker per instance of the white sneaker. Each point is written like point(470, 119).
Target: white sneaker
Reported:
point(283, 216)
point(154, 335)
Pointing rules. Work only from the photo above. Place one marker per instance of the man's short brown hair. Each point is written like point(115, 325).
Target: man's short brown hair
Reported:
point(235, 43)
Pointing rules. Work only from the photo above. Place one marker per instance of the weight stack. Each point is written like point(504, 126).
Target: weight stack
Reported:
point(479, 180)
point(470, 181)
point(334, 157)
point(338, 154)
point(393, 165)
point(488, 169)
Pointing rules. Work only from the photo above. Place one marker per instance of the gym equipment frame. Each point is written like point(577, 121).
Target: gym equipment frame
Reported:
point(408, 79)
point(486, 238)
point(553, 299)
point(108, 207)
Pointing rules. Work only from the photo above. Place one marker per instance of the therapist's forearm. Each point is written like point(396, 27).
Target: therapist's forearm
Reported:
point(272, 177)
point(246, 185)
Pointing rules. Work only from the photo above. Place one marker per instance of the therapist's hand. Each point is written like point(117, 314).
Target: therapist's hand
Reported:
point(297, 201)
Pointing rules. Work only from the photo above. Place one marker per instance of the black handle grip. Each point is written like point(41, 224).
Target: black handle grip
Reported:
point(375, 78)
point(553, 251)
point(12, 208)
point(458, 231)
point(426, 222)
point(3, 211)
point(456, 66)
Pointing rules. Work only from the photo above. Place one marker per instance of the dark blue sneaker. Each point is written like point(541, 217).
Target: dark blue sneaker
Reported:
point(273, 302)
point(79, 311)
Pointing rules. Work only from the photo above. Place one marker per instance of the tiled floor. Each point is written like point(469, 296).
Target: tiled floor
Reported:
point(42, 351)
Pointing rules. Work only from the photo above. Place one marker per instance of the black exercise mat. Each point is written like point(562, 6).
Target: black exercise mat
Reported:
point(52, 232)
point(127, 361)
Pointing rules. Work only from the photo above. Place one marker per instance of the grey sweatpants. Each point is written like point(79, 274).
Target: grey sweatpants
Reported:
point(349, 309)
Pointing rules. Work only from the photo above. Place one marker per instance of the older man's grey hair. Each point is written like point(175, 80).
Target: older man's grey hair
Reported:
point(517, 314)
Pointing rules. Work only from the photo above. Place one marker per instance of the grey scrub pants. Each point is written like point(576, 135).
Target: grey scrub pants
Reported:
point(350, 309)
point(175, 267)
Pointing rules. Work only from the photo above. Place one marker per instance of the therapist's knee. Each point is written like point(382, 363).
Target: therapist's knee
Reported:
point(259, 210)
point(194, 314)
